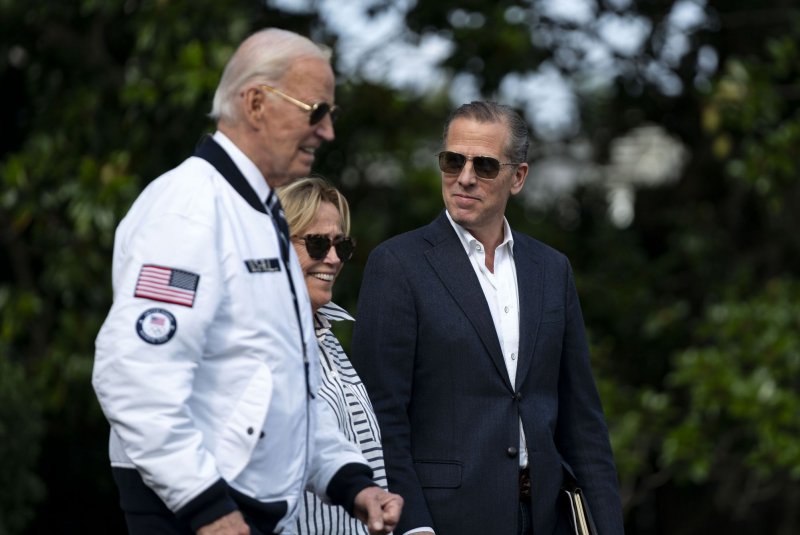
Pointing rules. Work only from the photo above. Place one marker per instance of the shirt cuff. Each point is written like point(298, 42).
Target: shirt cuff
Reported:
point(418, 530)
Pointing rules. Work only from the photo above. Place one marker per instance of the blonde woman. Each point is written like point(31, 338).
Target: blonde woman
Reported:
point(319, 224)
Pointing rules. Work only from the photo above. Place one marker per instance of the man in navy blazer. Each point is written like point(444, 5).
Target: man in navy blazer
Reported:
point(470, 340)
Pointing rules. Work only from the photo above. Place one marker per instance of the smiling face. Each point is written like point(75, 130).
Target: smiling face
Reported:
point(285, 141)
point(320, 274)
point(477, 204)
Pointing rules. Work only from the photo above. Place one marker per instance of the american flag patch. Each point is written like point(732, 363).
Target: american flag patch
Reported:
point(167, 285)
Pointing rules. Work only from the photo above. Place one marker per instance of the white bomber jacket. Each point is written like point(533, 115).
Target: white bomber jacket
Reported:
point(199, 365)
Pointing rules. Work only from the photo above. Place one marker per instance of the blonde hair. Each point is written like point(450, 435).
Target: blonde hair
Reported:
point(302, 198)
point(262, 58)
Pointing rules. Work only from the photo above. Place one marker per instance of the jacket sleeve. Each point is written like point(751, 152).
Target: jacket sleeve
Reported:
point(582, 435)
point(384, 341)
point(143, 385)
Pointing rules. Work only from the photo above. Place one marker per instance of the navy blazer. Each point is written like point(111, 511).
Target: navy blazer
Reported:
point(426, 348)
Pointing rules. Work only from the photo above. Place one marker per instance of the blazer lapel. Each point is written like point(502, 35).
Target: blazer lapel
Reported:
point(451, 264)
point(530, 286)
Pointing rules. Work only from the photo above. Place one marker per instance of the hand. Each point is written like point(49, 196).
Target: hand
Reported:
point(378, 509)
point(230, 524)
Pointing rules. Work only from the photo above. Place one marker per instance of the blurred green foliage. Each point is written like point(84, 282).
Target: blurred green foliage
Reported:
point(692, 309)
point(742, 384)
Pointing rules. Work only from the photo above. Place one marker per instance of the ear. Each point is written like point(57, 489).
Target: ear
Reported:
point(254, 107)
point(518, 179)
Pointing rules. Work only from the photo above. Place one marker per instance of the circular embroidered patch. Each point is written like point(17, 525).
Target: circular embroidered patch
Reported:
point(156, 326)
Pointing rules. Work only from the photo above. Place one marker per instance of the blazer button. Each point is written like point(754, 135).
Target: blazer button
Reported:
point(511, 451)
point(518, 396)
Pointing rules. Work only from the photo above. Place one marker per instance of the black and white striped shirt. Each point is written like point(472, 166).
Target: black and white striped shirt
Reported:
point(345, 395)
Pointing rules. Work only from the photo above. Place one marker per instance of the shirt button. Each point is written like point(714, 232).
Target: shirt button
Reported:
point(250, 430)
point(513, 356)
point(506, 309)
point(478, 248)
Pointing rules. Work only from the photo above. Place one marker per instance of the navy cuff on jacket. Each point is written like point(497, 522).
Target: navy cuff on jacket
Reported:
point(351, 479)
point(210, 505)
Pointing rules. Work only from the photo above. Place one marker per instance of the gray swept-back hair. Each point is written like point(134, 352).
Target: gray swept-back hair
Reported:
point(492, 112)
point(264, 57)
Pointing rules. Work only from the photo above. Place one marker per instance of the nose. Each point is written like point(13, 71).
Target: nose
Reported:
point(467, 175)
point(324, 128)
point(332, 258)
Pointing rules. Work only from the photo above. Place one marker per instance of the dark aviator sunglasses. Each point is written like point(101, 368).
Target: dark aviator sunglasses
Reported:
point(318, 245)
point(317, 111)
point(485, 167)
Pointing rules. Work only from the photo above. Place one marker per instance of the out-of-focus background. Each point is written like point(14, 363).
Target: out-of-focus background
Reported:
point(665, 164)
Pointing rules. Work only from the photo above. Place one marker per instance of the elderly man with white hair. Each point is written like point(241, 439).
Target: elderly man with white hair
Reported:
point(206, 365)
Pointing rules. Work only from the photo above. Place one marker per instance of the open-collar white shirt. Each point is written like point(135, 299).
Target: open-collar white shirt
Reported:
point(500, 289)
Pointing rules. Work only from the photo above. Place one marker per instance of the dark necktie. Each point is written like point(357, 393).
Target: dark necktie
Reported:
point(282, 228)
point(279, 220)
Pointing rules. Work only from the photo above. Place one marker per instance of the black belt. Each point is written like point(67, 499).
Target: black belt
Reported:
point(524, 485)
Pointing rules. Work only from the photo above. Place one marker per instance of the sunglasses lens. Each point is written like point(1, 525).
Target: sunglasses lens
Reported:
point(318, 113)
point(451, 162)
point(345, 248)
point(320, 110)
point(486, 167)
point(317, 246)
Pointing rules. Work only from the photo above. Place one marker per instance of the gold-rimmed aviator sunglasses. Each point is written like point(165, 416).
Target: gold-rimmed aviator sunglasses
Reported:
point(317, 111)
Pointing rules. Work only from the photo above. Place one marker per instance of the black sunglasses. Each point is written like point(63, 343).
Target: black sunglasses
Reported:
point(316, 111)
point(485, 167)
point(318, 245)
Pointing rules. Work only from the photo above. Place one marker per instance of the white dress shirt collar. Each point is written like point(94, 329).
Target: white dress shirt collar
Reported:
point(471, 243)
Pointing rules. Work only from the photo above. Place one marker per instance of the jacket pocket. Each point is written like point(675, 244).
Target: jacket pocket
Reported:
point(241, 433)
point(553, 316)
point(438, 474)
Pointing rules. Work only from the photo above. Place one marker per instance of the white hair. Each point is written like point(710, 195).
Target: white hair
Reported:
point(264, 57)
